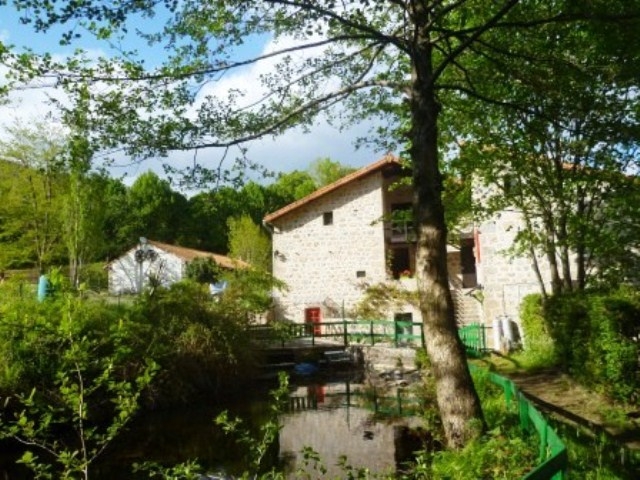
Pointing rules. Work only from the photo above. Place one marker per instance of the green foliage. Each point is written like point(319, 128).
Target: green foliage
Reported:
point(594, 336)
point(249, 242)
point(325, 171)
point(200, 345)
point(155, 210)
point(258, 448)
point(539, 347)
point(249, 292)
point(203, 270)
point(87, 387)
point(382, 298)
point(503, 452)
point(189, 470)
point(95, 276)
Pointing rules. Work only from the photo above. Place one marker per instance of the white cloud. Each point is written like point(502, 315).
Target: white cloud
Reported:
point(293, 150)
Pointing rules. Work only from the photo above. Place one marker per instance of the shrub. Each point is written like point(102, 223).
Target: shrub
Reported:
point(539, 346)
point(594, 335)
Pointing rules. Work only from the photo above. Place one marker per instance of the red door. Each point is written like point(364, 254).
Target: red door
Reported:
point(313, 316)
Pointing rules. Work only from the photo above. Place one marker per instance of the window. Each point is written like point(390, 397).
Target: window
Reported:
point(361, 274)
point(400, 261)
point(401, 223)
point(327, 218)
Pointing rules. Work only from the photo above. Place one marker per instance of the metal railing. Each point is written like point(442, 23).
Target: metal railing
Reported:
point(552, 453)
point(347, 332)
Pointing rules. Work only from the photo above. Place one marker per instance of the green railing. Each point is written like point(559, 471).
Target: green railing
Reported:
point(402, 404)
point(474, 338)
point(371, 332)
point(552, 455)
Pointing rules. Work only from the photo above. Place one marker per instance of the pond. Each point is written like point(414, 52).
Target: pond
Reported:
point(331, 417)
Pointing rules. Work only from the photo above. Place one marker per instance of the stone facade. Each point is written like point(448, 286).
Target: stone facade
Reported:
point(505, 279)
point(329, 246)
point(327, 250)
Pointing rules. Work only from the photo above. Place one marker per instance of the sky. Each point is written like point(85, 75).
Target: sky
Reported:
point(291, 151)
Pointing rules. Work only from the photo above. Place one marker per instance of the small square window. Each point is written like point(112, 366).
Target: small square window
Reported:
point(361, 274)
point(327, 218)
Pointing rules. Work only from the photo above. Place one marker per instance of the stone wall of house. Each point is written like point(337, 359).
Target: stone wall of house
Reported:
point(328, 265)
point(505, 279)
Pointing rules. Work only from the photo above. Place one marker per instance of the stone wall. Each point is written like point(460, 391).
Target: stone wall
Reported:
point(326, 266)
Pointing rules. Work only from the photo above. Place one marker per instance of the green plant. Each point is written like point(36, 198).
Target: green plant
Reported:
point(594, 334)
point(539, 346)
point(382, 298)
point(39, 416)
point(257, 448)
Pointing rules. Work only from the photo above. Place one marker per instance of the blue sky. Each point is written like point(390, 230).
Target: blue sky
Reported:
point(294, 150)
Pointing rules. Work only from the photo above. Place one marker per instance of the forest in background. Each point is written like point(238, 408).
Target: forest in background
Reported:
point(54, 213)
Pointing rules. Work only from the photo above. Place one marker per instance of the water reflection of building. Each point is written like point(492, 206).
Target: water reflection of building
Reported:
point(335, 430)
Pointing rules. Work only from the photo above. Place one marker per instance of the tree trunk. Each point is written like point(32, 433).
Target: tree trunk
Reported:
point(550, 250)
point(581, 249)
point(534, 258)
point(458, 402)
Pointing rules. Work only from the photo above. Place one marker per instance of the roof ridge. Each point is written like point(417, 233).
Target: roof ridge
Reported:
point(387, 159)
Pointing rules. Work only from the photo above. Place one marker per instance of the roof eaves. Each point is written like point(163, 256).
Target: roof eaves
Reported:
point(388, 159)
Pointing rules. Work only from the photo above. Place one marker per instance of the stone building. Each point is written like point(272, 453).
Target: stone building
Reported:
point(330, 245)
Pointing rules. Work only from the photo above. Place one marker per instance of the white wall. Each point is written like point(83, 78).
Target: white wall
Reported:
point(125, 272)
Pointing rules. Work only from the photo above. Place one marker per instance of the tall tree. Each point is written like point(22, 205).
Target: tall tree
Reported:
point(561, 158)
point(32, 193)
point(156, 211)
point(249, 242)
point(325, 171)
point(364, 55)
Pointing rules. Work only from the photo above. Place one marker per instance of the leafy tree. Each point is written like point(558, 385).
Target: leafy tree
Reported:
point(366, 56)
point(325, 171)
point(32, 194)
point(115, 219)
point(289, 187)
point(203, 270)
point(156, 211)
point(249, 242)
point(562, 159)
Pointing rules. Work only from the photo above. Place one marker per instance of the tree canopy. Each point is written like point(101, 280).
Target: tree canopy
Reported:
point(404, 61)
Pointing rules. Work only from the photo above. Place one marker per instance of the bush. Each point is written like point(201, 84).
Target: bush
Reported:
point(596, 339)
point(539, 346)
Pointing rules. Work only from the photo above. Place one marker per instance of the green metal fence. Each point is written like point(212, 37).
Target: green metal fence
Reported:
point(347, 332)
point(552, 456)
point(474, 338)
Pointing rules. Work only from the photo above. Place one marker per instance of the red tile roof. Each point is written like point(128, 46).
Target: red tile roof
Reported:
point(189, 254)
point(386, 161)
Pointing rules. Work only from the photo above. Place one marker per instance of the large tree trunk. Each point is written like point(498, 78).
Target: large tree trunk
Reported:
point(458, 402)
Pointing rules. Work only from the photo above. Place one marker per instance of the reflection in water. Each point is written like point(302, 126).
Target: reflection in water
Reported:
point(339, 427)
point(328, 418)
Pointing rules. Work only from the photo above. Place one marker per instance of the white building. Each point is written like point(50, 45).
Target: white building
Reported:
point(161, 263)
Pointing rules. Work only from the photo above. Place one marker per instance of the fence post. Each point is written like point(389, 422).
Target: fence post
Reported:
point(371, 332)
point(395, 334)
point(344, 331)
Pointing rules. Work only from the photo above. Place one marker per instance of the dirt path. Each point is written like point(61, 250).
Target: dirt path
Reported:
point(557, 394)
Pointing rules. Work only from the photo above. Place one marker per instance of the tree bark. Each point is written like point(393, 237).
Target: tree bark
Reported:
point(458, 402)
